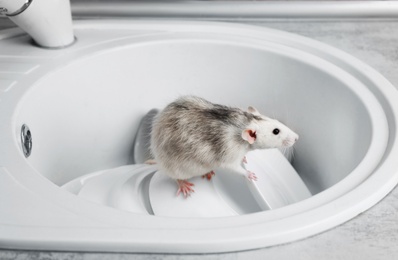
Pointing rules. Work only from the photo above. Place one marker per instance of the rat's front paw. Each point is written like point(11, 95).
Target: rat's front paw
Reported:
point(251, 176)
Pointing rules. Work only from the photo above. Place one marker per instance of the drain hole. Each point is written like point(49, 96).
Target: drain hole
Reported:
point(26, 140)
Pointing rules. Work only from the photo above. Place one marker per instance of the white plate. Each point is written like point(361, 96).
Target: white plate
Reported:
point(121, 188)
point(278, 183)
point(228, 194)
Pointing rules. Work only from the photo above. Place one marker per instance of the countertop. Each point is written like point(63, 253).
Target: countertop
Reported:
point(371, 235)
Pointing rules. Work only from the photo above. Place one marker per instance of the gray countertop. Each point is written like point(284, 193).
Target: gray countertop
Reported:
point(371, 235)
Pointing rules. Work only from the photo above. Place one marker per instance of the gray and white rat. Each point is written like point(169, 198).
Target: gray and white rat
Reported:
point(192, 136)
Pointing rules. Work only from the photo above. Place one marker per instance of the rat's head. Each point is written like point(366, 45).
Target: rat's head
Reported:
point(266, 132)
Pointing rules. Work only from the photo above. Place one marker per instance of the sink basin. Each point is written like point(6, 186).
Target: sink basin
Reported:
point(83, 105)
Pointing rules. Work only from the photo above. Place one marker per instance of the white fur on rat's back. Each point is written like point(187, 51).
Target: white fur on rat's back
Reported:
point(192, 137)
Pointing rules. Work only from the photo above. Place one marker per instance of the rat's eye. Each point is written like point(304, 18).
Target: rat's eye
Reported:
point(275, 131)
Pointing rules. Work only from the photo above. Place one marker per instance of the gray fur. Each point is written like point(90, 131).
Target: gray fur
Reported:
point(193, 136)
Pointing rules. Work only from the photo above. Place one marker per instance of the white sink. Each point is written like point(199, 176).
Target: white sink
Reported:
point(83, 105)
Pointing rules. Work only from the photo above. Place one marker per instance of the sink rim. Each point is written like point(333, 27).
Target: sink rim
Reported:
point(256, 220)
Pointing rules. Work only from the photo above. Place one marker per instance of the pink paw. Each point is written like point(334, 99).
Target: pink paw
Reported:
point(209, 175)
point(251, 176)
point(185, 187)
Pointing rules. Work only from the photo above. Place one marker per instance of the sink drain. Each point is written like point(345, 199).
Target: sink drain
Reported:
point(26, 140)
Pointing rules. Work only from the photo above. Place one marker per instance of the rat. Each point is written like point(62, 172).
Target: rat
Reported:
point(192, 136)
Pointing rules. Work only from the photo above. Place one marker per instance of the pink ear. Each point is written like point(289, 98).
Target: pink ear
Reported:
point(249, 135)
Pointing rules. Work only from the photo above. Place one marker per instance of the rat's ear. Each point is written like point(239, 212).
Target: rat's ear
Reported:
point(249, 135)
point(253, 111)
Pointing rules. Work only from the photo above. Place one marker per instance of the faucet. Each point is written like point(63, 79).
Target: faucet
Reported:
point(48, 22)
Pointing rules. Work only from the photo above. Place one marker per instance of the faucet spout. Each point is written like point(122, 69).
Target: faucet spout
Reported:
point(48, 22)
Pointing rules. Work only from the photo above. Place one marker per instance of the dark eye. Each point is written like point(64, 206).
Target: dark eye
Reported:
point(275, 131)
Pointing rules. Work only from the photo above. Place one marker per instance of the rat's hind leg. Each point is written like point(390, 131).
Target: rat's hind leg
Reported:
point(209, 175)
point(185, 187)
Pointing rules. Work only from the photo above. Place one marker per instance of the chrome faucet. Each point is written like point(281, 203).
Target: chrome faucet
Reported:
point(48, 22)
